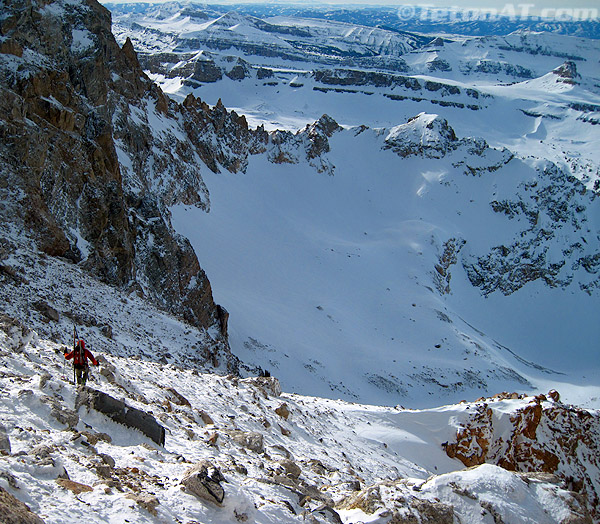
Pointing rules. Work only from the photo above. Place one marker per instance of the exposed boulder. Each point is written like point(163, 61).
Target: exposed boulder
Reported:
point(178, 398)
point(107, 331)
point(4, 440)
point(206, 418)
point(93, 438)
point(204, 481)
point(120, 412)
point(283, 411)
point(439, 64)
point(107, 369)
point(251, 440)
point(148, 502)
point(290, 468)
point(554, 395)
point(329, 514)
point(47, 311)
point(267, 385)
point(61, 413)
point(75, 487)
point(541, 436)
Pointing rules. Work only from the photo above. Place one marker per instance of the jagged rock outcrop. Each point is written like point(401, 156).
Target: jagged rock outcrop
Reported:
point(93, 154)
point(542, 436)
point(206, 71)
point(350, 77)
point(567, 72)
point(240, 70)
point(407, 501)
point(400, 87)
point(492, 67)
point(122, 413)
point(204, 481)
point(395, 500)
point(312, 143)
point(206, 126)
point(438, 64)
point(448, 258)
point(551, 208)
point(426, 135)
point(13, 511)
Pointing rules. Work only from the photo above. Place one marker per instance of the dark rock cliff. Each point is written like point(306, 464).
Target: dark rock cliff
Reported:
point(92, 155)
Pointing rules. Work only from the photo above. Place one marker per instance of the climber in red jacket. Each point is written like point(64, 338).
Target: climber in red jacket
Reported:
point(80, 356)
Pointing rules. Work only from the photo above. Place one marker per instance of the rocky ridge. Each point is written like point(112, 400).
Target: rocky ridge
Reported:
point(85, 175)
point(94, 155)
point(99, 154)
point(548, 207)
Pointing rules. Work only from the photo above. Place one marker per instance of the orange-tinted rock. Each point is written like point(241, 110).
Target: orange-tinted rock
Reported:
point(552, 439)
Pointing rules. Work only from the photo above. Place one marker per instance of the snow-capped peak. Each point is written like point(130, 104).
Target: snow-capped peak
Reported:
point(426, 134)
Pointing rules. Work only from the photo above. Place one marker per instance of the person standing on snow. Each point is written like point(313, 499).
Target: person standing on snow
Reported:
point(80, 356)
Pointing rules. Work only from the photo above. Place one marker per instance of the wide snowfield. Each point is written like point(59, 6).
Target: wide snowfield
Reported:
point(329, 279)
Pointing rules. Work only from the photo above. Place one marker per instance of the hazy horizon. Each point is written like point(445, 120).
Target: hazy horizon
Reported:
point(582, 10)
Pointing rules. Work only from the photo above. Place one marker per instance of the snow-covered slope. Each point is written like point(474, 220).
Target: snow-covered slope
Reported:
point(182, 28)
point(280, 459)
point(416, 265)
point(402, 262)
point(369, 284)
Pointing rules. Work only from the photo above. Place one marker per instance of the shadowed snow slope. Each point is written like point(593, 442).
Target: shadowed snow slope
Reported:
point(426, 266)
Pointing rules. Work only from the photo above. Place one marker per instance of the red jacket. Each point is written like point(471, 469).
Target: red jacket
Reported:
point(80, 355)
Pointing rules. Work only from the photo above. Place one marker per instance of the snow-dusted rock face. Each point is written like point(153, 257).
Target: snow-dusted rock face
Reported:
point(13, 510)
point(310, 144)
point(93, 154)
point(543, 436)
point(547, 208)
point(567, 72)
point(424, 135)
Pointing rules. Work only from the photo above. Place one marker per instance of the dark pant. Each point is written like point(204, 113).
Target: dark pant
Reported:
point(81, 374)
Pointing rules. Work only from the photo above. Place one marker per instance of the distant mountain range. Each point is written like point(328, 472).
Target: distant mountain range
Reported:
point(583, 23)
